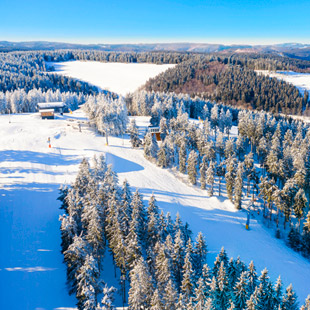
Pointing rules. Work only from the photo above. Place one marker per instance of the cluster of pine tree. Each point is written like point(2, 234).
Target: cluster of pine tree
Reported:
point(236, 85)
point(107, 113)
point(27, 70)
point(268, 159)
point(165, 269)
point(19, 101)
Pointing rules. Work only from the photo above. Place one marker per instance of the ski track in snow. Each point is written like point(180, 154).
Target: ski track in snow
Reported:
point(31, 270)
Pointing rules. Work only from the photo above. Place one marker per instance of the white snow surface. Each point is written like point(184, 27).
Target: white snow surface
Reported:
point(120, 78)
point(31, 269)
point(300, 80)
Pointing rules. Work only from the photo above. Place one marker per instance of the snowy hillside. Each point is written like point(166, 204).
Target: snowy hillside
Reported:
point(300, 80)
point(120, 78)
point(30, 174)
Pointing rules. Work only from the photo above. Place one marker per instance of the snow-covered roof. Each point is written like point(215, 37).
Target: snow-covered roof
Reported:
point(46, 105)
point(46, 110)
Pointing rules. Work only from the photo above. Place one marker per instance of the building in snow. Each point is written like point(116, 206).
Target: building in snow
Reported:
point(155, 131)
point(58, 107)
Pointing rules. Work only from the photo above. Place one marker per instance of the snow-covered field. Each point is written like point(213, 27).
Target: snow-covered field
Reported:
point(31, 270)
point(120, 78)
point(300, 80)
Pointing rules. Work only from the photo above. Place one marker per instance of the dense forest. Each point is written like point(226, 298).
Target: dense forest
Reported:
point(233, 84)
point(228, 79)
point(268, 160)
point(165, 269)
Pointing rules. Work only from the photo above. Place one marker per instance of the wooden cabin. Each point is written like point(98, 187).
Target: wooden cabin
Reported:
point(155, 131)
point(47, 113)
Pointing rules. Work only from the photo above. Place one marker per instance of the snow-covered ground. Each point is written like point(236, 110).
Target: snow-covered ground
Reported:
point(300, 80)
point(31, 270)
point(120, 78)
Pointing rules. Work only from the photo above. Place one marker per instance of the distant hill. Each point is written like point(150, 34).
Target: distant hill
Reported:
point(294, 50)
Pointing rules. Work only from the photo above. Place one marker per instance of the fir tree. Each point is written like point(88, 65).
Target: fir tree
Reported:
point(239, 186)
point(240, 292)
point(192, 163)
point(289, 301)
point(210, 178)
point(182, 158)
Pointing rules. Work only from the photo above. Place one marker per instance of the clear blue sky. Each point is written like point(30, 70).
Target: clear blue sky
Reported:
point(134, 21)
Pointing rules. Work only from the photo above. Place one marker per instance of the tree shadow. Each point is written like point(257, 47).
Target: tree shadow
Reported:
point(38, 158)
point(121, 165)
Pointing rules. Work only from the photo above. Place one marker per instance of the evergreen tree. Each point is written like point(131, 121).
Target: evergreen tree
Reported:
point(156, 303)
point(203, 168)
point(210, 178)
point(134, 134)
point(182, 158)
point(239, 186)
point(230, 176)
point(289, 301)
point(187, 286)
point(141, 286)
point(300, 204)
point(240, 292)
point(192, 163)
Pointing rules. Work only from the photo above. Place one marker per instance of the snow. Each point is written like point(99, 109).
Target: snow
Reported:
point(31, 269)
point(300, 80)
point(120, 78)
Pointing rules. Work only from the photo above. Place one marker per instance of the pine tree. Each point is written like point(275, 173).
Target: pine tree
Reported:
point(141, 286)
point(278, 293)
point(182, 157)
point(221, 293)
point(134, 134)
point(200, 297)
point(306, 306)
point(107, 299)
point(252, 278)
point(200, 253)
point(294, 238)
point(240, 292)
point(187, 286)
point(170, 296)
point(239, 186)
point(289, 301)
point(87, 279)
point(203, 168)
point(192, 163)
point(230, 176)
point(156, 303)
point(178, 258)
point(300, 204)
point(210, 178)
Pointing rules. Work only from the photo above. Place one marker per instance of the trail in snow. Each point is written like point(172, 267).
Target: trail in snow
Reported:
point(30, 173)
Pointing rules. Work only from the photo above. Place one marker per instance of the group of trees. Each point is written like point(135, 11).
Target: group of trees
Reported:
point(19, 101)
point(233, 84)
point(27, 70)
point(165, 268)
point(107, 113)
point(268, 159)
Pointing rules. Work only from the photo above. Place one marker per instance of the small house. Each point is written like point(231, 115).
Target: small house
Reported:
point(47, 113)
point(155, 131)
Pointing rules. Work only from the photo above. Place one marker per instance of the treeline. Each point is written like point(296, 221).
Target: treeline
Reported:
point(20, 101)
point(269, 158)
point(27, 70)
point(165, 268)
point(107, 113)
point(233, 84)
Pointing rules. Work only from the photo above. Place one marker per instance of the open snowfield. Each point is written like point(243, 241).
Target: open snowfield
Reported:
point(300, 80)
point(31, 270)
point(120, 78)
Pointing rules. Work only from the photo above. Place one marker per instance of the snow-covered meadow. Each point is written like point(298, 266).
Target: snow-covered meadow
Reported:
point(120, 78)
point(300, 80)
point(31, 172)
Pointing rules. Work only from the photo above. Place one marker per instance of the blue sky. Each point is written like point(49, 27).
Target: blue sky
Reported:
point(121, 21)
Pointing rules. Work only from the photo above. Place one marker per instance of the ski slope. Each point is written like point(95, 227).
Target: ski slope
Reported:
point(120, 78)
point(31, 270)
